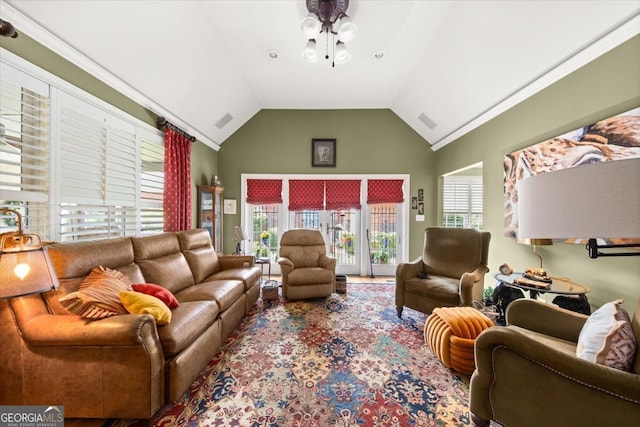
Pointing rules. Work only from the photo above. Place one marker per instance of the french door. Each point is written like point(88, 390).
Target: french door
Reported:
point(341, 231)
point(362, 248)
point(366, 241)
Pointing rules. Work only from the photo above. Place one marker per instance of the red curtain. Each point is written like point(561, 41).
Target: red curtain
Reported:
point(177, 181)
point(306, 194)
point(342, 194)
point(385, 191)
point(264, 191)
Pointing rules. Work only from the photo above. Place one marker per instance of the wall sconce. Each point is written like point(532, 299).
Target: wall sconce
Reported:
point(592, 201)
point(25, 267)
point(238, 237)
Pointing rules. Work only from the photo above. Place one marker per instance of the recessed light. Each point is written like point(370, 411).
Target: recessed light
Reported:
point(378, 54)
point(273, 54)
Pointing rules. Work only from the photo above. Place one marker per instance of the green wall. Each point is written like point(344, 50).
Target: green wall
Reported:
point(368, 142)
point(603, 88)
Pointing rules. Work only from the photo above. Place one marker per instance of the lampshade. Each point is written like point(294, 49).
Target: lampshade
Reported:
point(238, 234)
point(346, 29)
point(599, 200)
point(310, 54)
point(25, 267)
point(342, 54)
point(311, 26)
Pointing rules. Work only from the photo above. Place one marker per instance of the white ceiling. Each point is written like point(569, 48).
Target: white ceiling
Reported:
point(460, 63)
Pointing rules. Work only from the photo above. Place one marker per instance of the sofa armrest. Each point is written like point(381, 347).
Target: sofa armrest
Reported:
point(468, 281)
point(408, 270)
point(73, 330)
point(545, 318)
point(515, 373)
point(285, 262)
point(228, 262)
point(327, 262)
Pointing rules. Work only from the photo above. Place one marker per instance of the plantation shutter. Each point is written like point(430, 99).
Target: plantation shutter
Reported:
point(462, 201)
point(98, 161)
point(24, 150)
point(151, 183)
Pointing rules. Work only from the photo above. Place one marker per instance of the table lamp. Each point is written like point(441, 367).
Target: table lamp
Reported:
point(25, 267)
point(238, 237)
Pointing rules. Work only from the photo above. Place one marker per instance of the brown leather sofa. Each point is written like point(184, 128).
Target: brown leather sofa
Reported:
point(450, 272)
point(307, 271)
point(124, 366)
point(528, 374)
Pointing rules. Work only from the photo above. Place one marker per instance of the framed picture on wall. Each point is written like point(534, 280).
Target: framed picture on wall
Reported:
point(323, 152)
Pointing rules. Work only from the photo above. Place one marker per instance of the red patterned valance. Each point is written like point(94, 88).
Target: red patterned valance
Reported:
point(306, 194)
point(264, 191)
point(385, 191)
point(342, 194)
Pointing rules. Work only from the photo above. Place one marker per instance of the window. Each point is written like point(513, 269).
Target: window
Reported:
point(76, 167)
point(24, 150)
point(462, 202)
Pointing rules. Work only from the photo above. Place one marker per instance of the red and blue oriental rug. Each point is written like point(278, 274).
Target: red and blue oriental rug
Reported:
point(346, 360)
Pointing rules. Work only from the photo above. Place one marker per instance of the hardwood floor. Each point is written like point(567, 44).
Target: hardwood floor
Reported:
point(84, 422)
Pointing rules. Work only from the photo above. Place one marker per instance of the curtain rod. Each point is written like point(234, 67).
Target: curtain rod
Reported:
point(162, 122)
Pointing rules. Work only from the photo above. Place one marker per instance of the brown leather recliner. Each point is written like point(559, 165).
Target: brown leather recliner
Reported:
point(450, 272)
point(528, 374)
point(307, 271)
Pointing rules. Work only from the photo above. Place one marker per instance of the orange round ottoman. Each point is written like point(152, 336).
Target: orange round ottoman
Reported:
point(451, 333)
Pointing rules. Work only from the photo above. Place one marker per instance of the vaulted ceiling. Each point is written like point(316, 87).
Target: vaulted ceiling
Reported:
point(447, 66)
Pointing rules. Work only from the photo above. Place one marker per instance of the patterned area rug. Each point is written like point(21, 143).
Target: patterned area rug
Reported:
point(346, 360)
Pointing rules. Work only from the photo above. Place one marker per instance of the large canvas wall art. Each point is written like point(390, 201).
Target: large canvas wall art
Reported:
point(611, 139)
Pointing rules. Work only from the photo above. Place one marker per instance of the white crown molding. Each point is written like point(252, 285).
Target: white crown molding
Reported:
point(626, 31)
point(41, 35)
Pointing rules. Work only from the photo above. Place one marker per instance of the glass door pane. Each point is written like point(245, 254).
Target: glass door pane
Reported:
point(382, 238)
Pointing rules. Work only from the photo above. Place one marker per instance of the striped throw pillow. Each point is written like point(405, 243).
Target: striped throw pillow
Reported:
point(99, 294)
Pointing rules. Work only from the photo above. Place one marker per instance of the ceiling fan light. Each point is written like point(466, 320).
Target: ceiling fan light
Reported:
point(347, 30)
point(342, 55)
point(311, 26)
point(310, 54)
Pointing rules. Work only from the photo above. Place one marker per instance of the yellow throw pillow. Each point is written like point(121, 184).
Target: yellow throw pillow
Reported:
point(139, 303)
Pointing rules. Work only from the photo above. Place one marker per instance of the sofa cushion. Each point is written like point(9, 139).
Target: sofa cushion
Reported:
point(157, 291)
point(310, 276)
point(161, 261)
point(223, 292)
point(188, 322)
point(199, 252)
point(139, 303)
point(607, 337)
point(98, 294)
point(439, 288)
point(248, 275)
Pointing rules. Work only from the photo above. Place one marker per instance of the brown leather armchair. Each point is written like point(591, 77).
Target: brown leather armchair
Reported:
point(307, 271)
point(528, 374)
point(450, 272)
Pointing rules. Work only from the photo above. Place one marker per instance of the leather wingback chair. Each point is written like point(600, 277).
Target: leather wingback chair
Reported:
point(450, 272)
point(307, 271)
point(528, 374)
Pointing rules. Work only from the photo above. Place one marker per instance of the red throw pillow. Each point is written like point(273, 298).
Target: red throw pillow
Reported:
point(157, 291)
